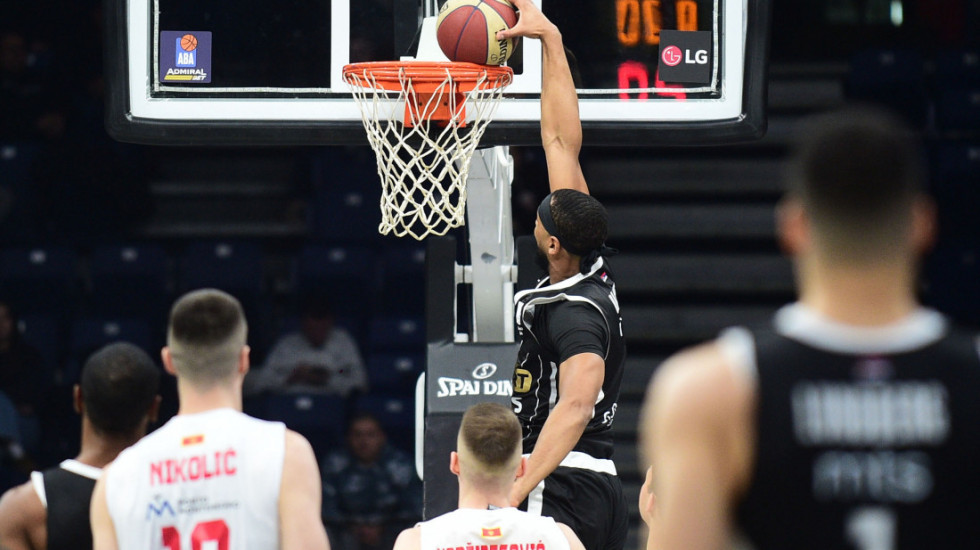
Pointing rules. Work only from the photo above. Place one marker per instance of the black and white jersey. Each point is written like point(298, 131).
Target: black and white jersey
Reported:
point(66, 492)
point(867, 438)
point(577, 315)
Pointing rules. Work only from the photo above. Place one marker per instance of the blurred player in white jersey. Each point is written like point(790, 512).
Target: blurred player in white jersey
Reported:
point(211, 477)
point(487, 461)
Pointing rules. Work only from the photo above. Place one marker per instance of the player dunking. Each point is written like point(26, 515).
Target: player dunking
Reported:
point(487, 459)
point(850, 420)
point(570, 363)
point(117, 398)
point(211, 476)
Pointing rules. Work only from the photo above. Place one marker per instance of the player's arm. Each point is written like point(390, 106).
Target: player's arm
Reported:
point(20, 511)
point(409, 539)
point(573, 541)
point(103, 531)
point(561, 127)
point(695, 433)
point(579, 382)
point(299, 498)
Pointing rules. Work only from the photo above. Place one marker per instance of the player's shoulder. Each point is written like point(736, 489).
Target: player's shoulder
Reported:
point(701, 379)
point(20, 506)
point(573, 541)
point(409, 539)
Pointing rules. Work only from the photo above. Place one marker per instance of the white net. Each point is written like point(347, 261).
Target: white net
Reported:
point(423, 139)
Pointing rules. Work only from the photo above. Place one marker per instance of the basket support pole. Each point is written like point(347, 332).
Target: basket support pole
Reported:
point(491, 237)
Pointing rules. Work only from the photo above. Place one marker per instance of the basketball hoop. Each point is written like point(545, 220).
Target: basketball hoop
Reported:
point(424, 120)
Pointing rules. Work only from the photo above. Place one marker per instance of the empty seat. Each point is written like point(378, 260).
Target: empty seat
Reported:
point(394, 373)
point(230, 266)
point(39, 280)
point(88, 334)
point(958, 161)
point(958, 68)
point(319, 418)
point(347, 215)
point(347, 275)
point(891, 77)
point(43, 332)
point(403, 280)
point(129, 280)
point(958, 111)
point(397, 333)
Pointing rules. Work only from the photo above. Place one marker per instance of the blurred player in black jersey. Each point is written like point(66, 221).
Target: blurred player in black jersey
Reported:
point(570, 364)
point(850, 420)
point(117, 398)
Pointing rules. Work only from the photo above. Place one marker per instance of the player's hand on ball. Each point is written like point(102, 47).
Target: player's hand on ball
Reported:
point(530, 22)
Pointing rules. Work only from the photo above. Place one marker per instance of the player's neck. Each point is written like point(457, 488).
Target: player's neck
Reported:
point(220, 396)
point(859, 295)
point(482, 499)
point(563, 269)
point(99, 449)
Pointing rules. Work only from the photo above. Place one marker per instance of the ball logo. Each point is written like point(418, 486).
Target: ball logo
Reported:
point(672, 56)
point(484, 371)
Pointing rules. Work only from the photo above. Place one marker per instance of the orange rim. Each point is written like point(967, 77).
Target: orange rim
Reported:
point(388, 75)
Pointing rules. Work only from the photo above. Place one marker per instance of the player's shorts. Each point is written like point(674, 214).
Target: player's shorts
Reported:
point(590, 503)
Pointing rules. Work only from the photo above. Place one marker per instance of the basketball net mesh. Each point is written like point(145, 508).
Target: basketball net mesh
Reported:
point(423, 154)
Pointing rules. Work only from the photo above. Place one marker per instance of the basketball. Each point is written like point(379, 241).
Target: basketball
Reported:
point(188, 42)
point(467, 30)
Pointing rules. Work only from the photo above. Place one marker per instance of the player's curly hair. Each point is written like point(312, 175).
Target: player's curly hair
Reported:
point(119, 383)
point(580, 219)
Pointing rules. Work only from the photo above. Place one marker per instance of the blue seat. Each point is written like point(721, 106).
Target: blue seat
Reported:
point(958, 68)
point(950, 280)
point(958, 111)
point(397, 333)
point(958, 161)
point(394, 373)
point(347, 275)
point(130, 280)
point(230, 266)
point(892, 77)
point(396, 415)
point(347, 215)
point(40, 280)
point(88, 334)
point(319, 418)
point(16, 163)
point(403, 280)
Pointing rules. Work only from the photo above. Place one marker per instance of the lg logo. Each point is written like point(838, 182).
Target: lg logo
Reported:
point(672, 56)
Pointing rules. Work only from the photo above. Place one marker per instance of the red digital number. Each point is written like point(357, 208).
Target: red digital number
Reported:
point(207, 531)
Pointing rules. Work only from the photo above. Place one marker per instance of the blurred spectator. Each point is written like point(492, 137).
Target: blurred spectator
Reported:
point(14, 463)
point(21, 377)
point(370, 489)
point(319, 358)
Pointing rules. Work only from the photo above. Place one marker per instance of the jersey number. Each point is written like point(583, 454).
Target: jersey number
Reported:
point(871, 528)
point(207, 535)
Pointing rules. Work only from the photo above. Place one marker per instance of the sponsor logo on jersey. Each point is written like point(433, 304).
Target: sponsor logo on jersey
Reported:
point(491, 533)
point(192, 440)
point(522, 380)
point(159, 506)
point(194, 468)
point(529, 546)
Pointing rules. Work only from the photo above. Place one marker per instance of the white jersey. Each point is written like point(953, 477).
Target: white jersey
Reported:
point(497, 529)
point(206, 481)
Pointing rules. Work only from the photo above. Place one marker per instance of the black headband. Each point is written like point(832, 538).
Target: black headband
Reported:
point(548, 222)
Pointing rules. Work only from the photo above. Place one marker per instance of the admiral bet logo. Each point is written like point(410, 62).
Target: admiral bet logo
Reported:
point(685, 56)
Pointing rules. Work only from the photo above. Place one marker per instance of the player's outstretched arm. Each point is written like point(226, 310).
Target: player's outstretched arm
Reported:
point(299, 498)
point(579, 383)
point(21, 515)
point(695, 432)
point(561, 127)
point(103, 531)
point(409, 539)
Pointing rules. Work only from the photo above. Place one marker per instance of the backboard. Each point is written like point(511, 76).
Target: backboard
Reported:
point(253, 72)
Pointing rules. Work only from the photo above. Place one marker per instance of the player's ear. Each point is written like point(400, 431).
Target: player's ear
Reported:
point(76, 398)
point(521, 468)
point(454, 462)
point(792, 225)
point(554, 245)
point(243, 360)
point(154, 412)
point(923, 224)
point(168, 361)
